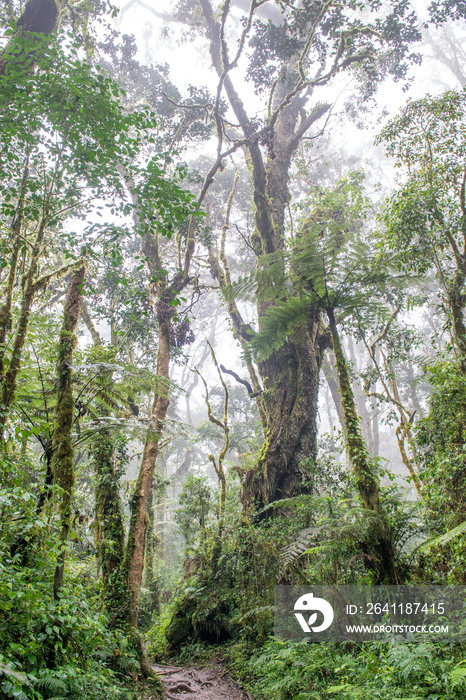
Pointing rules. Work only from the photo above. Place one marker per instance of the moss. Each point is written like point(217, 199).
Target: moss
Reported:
point(110, 534)
point(62, 464)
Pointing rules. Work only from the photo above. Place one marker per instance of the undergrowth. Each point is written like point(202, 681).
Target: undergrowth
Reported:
point(373, 671)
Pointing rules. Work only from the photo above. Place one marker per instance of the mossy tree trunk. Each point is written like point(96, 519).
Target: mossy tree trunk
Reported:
point(152, 546)
point(456, 298)
point(31, 284)
point(290, 377)
point(110, 531)
point(5, 310)
point(62, 465)
point(365, 477)
point(109, 526)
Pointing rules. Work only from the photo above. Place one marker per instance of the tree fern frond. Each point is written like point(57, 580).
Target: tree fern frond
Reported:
point(291, 552)
point(281, 321)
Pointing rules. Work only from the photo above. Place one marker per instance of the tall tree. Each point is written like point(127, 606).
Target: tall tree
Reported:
point(425, 218)
point(288, 63)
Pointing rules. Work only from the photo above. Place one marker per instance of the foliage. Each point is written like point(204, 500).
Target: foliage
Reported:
point(196, 501)
point(329, 265)
point(441, 438)
point(424, 216)
point(62, 647)
point(384, 671)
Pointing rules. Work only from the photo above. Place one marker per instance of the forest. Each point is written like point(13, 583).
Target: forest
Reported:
point(232, 342)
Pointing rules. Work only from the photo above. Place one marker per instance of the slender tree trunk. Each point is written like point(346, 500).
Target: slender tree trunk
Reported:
point(150, 579)
point(29, 291)
point(365, 478)
point(62, 461)
point(135, 548)
point(456, 298)
point(6, 318)
point(363, 471)
point(109, 527)
point(332, 381)
point(361, 406)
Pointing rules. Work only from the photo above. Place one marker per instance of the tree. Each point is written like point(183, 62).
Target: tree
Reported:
point(56, 160)
point(288, 63)
point(329, 267)
point(62, 464)
point(425, 218)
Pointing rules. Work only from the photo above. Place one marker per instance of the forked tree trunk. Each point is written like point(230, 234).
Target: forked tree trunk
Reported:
point(290, 376)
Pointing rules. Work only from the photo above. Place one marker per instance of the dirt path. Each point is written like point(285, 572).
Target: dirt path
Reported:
point(200, 683)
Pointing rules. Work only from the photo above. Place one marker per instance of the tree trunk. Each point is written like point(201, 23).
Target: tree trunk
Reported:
point(365, 479)
point(29, 291)
point(134, 555)
point(110, 531)
point(291, 384)
point(363, 471)
point(150, 579)
point(332, 381)
point(456, 299)
point(361, 406)
point(62, 461)
point(290, 376)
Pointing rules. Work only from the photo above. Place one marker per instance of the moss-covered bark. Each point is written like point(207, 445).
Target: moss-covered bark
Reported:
point(365, 479)
point(152, 547)
point(29, 283)
point(364, 475)
point(457, 298)
point(110, 532)
point(62, 465)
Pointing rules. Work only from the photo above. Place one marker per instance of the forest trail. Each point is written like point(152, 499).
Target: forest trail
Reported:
point(199, 683)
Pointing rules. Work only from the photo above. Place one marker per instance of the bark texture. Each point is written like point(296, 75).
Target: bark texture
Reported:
point(110, 531)
point(62, 465)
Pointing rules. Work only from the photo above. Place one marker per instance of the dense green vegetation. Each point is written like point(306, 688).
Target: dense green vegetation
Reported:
point(224, 372)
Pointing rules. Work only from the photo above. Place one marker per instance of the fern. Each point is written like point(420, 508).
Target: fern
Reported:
point(442, 539)
point(410, 660)
point(458, 675)
point(254, 612)
point(51, 684)
point(292, 551)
